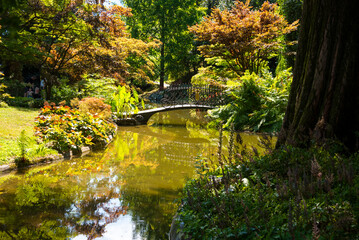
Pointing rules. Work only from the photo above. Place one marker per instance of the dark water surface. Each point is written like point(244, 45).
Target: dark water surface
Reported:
point(127, 191)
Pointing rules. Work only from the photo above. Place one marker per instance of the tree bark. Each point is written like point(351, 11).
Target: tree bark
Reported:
point(324, 98)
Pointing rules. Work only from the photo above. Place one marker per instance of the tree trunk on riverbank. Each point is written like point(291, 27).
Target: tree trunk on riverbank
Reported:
point(324, 99)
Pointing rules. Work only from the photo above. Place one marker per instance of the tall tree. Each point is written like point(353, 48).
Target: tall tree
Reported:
point(324, 99)
point(167, 21)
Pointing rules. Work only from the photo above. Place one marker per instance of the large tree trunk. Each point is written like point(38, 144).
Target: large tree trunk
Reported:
point(324, 99)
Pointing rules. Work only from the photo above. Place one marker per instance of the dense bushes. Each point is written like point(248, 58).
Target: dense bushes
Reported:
point(69, 129)
point(25, 102)
point(290, 194)
point(258, 104)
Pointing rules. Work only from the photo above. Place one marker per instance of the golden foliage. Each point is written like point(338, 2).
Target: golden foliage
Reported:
point(242, 36)
point(95, 106)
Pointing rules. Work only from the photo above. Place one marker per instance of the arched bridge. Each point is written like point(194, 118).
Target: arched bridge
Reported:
point(181, 97)
point(143, 116)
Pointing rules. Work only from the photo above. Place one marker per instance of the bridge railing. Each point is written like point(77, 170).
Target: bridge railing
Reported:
point(190, 94)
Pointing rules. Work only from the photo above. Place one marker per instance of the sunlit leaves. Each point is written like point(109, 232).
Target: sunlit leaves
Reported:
point(167, 21)
point(73, 38)
point(67, 129)
point(245, 38)
point(125, 102)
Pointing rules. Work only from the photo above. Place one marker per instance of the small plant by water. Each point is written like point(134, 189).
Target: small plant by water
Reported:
point(23, 143)
point(258, 104)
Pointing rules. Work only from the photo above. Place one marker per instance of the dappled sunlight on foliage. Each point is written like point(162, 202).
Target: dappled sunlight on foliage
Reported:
point(73, 38)
point(3, 94)
point(291, 193)
point(258, 104)
point(125, 102)
point(95, 106)
point(245, 38)
point(67, 129)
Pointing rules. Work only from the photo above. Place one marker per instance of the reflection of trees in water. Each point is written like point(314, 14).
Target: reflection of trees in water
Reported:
point(151, 213)
point(31, 210)
point(90, 216)
point(150, 194)
point(56, 206)
point(192, 117)
point(144, 169)
point(186, 152)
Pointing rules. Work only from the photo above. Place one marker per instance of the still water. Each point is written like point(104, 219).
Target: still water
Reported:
point(127, 191)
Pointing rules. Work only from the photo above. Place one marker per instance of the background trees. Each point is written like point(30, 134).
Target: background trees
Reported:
point(167, 21)
point(71, 38)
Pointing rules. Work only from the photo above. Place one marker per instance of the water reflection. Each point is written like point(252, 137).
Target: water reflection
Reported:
point(126, 192)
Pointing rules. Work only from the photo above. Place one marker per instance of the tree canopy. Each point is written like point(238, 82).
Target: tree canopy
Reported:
point(72, 38)
point(245, 38)
point(167, 21)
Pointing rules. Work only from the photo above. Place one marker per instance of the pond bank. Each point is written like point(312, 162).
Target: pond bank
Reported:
point(6, 168)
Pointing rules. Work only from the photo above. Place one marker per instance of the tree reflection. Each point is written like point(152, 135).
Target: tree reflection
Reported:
point(140, 174)
point(150, 193)
point(60, 205)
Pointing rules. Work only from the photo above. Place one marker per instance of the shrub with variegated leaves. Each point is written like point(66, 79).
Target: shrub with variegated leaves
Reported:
point(67, 129)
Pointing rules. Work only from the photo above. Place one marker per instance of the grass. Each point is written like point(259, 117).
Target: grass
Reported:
point(12, 122)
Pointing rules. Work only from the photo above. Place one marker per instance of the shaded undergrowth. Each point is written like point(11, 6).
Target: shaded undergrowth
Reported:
point(289, 193)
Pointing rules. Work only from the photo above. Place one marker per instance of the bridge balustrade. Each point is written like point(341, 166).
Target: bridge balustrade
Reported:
point(189, 94)
point(179, 97)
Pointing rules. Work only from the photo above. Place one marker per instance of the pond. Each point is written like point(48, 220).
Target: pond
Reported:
point(127, 191)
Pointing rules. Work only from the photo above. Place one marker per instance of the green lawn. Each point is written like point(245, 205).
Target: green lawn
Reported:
point(12, 122)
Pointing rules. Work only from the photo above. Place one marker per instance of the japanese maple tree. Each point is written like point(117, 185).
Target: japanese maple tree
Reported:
point(245, 38)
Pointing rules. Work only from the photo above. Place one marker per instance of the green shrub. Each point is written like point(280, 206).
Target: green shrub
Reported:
point(3, 105)
point(65, 92)
point(68, 129)
point(292, 193)
point(23, 144)
point(25, 102)
point(258, 104)
point(96, 86)
point(217, 71)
